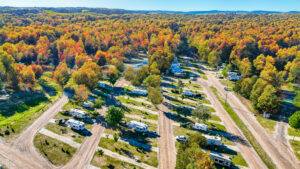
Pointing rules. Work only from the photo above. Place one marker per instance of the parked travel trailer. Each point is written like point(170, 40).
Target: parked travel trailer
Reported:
point(78, 113)
point(75, 124)
point(199, 126)
point(188, 93)
point(137, 126)
point(213, 140)
point(87, 105)
point(139, 92)
point(220, 159)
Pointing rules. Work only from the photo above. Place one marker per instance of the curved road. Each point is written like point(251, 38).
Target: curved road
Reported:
point(24, 142)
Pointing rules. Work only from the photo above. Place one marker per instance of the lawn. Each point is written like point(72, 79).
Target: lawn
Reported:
point(67, 131)
point(28, 107)
point(227, 83)
point(239, 160)
point(181, 131)
point(136, 103)
point(147, 157)
point(147, 115)
point(215, 118)
point(268, 124)
point(58, 153)
point(252, 140)
point(131, 134)
point(296, 147)
point(293, 132)
point(107, 162)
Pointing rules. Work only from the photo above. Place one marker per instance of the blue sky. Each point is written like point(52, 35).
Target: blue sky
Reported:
point(174, 5)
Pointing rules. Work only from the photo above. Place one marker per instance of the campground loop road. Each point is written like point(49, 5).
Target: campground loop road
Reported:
point(280, 154)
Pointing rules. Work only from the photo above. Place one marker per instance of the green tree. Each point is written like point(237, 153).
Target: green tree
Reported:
point(113, 75)
point(153, 81)
point(201, 112)
point(180, 84)
point(129, 74)
point(114, 115)
point(141, 74)
point(100, 152)
point(155, 95)
point(98, 103)
point(214, 58)
point(296, 101)
point(116, 137)
point(294, 120)
point(268, 101)
point(81, 93)
point(245, 67)
point(154, 68)
point(198, 139)
point(61, 74)
point(118, 64)
point(257, 90)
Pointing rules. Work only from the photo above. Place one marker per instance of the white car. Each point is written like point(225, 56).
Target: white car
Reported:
point(181, 138)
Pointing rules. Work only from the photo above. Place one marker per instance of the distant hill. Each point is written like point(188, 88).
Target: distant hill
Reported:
point(22, 10)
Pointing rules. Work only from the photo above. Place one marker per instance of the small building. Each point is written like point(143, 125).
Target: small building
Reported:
point(139, 92)
point(213, 140)
point(220, 159)
point(75, 124)
point(78, 113)
point(188, 93)
point(138, 126)
point(87, 105)
point(200, 126)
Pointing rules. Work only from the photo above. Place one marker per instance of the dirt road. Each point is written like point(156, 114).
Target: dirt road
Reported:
point(24, 142)
point(280, 154)
point(13, 159)
point(247, 151)
point(167, 150)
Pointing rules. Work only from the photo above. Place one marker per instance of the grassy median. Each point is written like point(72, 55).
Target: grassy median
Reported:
point(252, 140)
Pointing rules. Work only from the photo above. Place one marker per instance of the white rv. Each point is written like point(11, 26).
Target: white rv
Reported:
point(213, 140)
point(75, 124)
point(188, 93)
point(220, 159)
point(137, 126)
point(78, 113)
point(87, 105)
point(139, 92)
point(199, 126)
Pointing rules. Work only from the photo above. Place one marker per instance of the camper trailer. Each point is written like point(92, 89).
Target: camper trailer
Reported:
point(220, 159)
point(188, 93)
point(137, 126)
point(199, 126)
point(75, 124)
point(78, 113)
point(87, 105)
point(213, 140)
point(139, 92)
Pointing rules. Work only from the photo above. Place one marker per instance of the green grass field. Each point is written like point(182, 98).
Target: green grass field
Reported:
point(58, 153)
point(22, 115)
point(107, 162)
point(147, 157)
point(268, 124)
point(296, 147)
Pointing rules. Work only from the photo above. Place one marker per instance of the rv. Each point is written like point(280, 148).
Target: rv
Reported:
point(140, 92)
point(233, 76)
point(78, 113)
point(199, 126)
point(75, 124)
point(213, 140)
point(137, 126)
point(188, 93)
point(87, 105)
point(220, 159)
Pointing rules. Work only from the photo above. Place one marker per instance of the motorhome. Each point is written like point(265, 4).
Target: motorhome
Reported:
point(75, 124)
point(138, 126)
point(220, 159)
point(78, 113)
point(200, 126)
point(213, 140)
point(233, 76)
